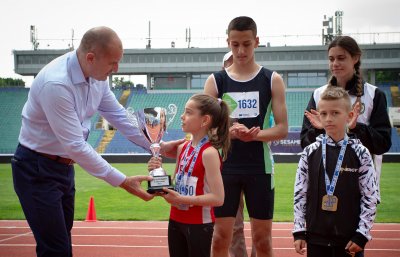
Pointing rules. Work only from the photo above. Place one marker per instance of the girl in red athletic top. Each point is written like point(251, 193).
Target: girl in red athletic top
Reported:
point(198, 181)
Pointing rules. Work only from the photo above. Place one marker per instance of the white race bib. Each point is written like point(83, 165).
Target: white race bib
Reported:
point(190, 189)
point(243, 104)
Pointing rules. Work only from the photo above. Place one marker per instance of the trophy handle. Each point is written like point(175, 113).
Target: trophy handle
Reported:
point(132, 117)
point(171, 112)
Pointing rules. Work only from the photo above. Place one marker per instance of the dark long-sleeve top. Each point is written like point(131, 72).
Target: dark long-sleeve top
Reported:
point(356, 190)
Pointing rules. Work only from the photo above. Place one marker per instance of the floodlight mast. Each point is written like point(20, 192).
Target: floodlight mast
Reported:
point(148, 46)
point(188, 36)
point(327, 27)
point(33, 34)
point(338, 23)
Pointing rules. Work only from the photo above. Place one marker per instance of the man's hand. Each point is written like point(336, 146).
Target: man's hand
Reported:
point(132, 185)
point(313, 117)
point(170, 148)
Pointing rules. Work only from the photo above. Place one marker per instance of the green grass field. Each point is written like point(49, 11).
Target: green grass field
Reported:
point(116, 204)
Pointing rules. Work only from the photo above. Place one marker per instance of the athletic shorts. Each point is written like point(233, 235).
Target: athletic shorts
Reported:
point(258, 194)
point(192, 240)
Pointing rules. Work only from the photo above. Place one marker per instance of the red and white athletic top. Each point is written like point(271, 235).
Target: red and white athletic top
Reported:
point(197, 183)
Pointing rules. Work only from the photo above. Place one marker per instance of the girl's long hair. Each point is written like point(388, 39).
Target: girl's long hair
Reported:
point(218, 110)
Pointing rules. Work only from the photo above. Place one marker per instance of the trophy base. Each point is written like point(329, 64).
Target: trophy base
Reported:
point(157, 184)
point(155, 190)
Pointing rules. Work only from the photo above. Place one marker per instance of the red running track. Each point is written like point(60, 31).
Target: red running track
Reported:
point(149, 239)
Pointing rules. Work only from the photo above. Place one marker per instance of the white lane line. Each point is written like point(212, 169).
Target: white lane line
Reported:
point(15, 236)
point(164, 228)
point(158, 246)
point(158, 236)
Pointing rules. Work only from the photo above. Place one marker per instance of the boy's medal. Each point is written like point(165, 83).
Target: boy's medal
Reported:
point(329, 201)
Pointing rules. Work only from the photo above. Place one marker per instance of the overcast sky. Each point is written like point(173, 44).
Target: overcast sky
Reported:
point(279, 22)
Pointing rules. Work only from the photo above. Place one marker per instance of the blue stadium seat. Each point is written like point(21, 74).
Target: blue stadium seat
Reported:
point(12, 101)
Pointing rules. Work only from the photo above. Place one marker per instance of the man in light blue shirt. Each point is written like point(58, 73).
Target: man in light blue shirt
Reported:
point(55, 126)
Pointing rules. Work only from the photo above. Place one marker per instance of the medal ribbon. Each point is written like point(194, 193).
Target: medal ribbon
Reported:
point(330, 186)
point(180, 182)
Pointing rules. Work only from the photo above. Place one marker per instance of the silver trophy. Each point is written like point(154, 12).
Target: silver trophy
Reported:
point(153, 123)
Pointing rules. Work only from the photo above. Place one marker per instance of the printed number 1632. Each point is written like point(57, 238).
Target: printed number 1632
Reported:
point(247, 103)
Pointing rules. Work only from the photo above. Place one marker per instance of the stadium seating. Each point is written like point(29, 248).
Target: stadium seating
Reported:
point(12, 101)
point(141, 101)
point(117, 92)
point(395, 141)
point(119, 144)
point(296, 102)
point(95, 137)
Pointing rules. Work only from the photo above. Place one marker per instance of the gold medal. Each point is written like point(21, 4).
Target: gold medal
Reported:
point(329, 203)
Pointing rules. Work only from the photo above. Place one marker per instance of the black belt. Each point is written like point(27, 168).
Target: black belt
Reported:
point(56, 158)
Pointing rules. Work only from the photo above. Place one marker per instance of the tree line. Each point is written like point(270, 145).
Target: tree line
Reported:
point(10, 82)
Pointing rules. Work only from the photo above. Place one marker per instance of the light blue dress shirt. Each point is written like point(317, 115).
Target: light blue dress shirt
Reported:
point(56, 116)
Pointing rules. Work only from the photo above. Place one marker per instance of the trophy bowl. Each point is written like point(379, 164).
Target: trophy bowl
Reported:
point(153, 122)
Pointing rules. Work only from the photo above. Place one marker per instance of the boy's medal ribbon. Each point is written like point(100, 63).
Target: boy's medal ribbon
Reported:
point(329, 201)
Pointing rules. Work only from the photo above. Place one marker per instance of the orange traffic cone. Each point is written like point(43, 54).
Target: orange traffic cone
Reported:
point(91, 213)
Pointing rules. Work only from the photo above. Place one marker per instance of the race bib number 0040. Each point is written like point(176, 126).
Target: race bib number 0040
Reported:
point(242, 104)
